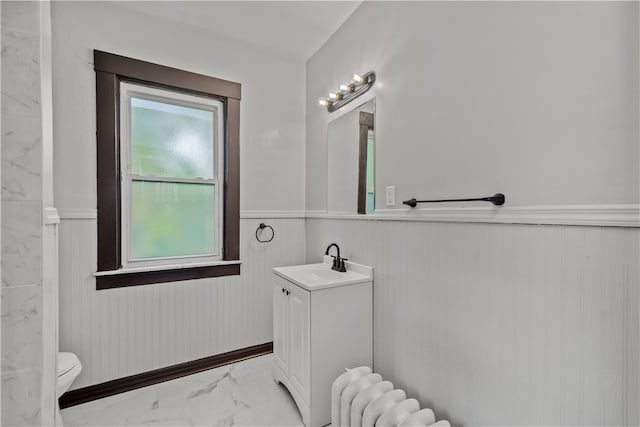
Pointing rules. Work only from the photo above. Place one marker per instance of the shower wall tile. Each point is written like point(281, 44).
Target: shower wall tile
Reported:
point(21, 158)
point(20, 73)
point(22, 215)
point(21, 327)
point(21, 398)
point(21, 243)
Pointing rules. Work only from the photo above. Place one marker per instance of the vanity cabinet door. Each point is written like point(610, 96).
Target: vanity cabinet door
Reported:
point(299, 341)
point(281, 326)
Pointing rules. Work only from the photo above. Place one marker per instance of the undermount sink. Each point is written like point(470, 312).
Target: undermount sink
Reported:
point(320, 276)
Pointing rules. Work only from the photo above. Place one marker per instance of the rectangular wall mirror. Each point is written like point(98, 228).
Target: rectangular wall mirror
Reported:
point(351, 161)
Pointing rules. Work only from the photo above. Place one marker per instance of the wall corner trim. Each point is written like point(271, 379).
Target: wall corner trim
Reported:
point(51, 216)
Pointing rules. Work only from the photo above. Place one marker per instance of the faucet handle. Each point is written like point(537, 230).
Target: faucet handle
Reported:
point(336, 261)
point(341, 267)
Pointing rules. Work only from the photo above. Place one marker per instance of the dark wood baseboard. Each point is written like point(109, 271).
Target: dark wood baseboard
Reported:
point(120, 385)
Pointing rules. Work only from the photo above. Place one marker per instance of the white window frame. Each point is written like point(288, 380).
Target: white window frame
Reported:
point(127, 91)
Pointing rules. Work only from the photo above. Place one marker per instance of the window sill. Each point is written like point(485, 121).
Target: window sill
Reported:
point(162, 274)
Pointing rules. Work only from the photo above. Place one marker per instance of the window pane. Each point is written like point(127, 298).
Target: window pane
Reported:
point(172, 219)
point(171, 140)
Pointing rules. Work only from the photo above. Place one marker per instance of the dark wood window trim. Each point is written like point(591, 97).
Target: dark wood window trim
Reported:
point(110, 70)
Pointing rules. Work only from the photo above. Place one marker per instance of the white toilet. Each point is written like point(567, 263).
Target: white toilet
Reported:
point(69, 367)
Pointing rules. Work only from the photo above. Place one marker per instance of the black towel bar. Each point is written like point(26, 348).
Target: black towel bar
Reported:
point(497, 199)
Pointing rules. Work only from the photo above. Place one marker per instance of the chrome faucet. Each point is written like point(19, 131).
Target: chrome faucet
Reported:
point(338, 263)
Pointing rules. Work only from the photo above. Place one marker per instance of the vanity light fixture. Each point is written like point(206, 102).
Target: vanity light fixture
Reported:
point(347, 92)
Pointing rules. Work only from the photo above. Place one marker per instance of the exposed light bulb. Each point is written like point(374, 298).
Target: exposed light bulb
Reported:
point(346, 88)
point(324, 102)
point(335, 96)
point(358, 79)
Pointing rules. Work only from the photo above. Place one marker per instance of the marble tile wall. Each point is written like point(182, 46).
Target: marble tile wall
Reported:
point(21, 210)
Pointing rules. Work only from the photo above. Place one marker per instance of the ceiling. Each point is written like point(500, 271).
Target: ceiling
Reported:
point(295, 29)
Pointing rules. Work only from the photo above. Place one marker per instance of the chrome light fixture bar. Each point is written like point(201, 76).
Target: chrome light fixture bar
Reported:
point(347, 92)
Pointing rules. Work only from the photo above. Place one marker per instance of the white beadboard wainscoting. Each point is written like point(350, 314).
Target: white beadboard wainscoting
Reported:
point(502, 324)
point(124, 331)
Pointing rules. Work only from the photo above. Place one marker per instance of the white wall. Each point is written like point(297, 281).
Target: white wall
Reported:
point(496, 324)
point(271, 110)
point(536, 100)
point(121, 332)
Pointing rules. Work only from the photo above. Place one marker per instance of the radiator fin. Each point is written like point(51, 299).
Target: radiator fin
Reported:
point(360, 398)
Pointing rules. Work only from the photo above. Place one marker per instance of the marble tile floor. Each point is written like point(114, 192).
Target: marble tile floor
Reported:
point(242, 394)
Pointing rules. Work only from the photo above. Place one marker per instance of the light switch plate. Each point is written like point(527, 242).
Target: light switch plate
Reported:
point(391, 195)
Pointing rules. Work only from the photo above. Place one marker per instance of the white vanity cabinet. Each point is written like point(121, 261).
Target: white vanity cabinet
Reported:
point(291, 333)
point(322, 324)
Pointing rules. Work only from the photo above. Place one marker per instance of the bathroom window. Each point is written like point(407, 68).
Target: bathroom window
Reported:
point(171, 159)
point(168, 172)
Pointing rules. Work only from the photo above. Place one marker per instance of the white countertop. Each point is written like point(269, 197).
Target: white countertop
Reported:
point(321, 276)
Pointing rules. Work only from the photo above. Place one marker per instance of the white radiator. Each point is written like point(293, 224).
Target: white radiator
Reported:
point(360, 398)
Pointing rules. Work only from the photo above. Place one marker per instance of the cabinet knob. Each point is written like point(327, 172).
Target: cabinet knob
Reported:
point(288, 292)
point(283, 290)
